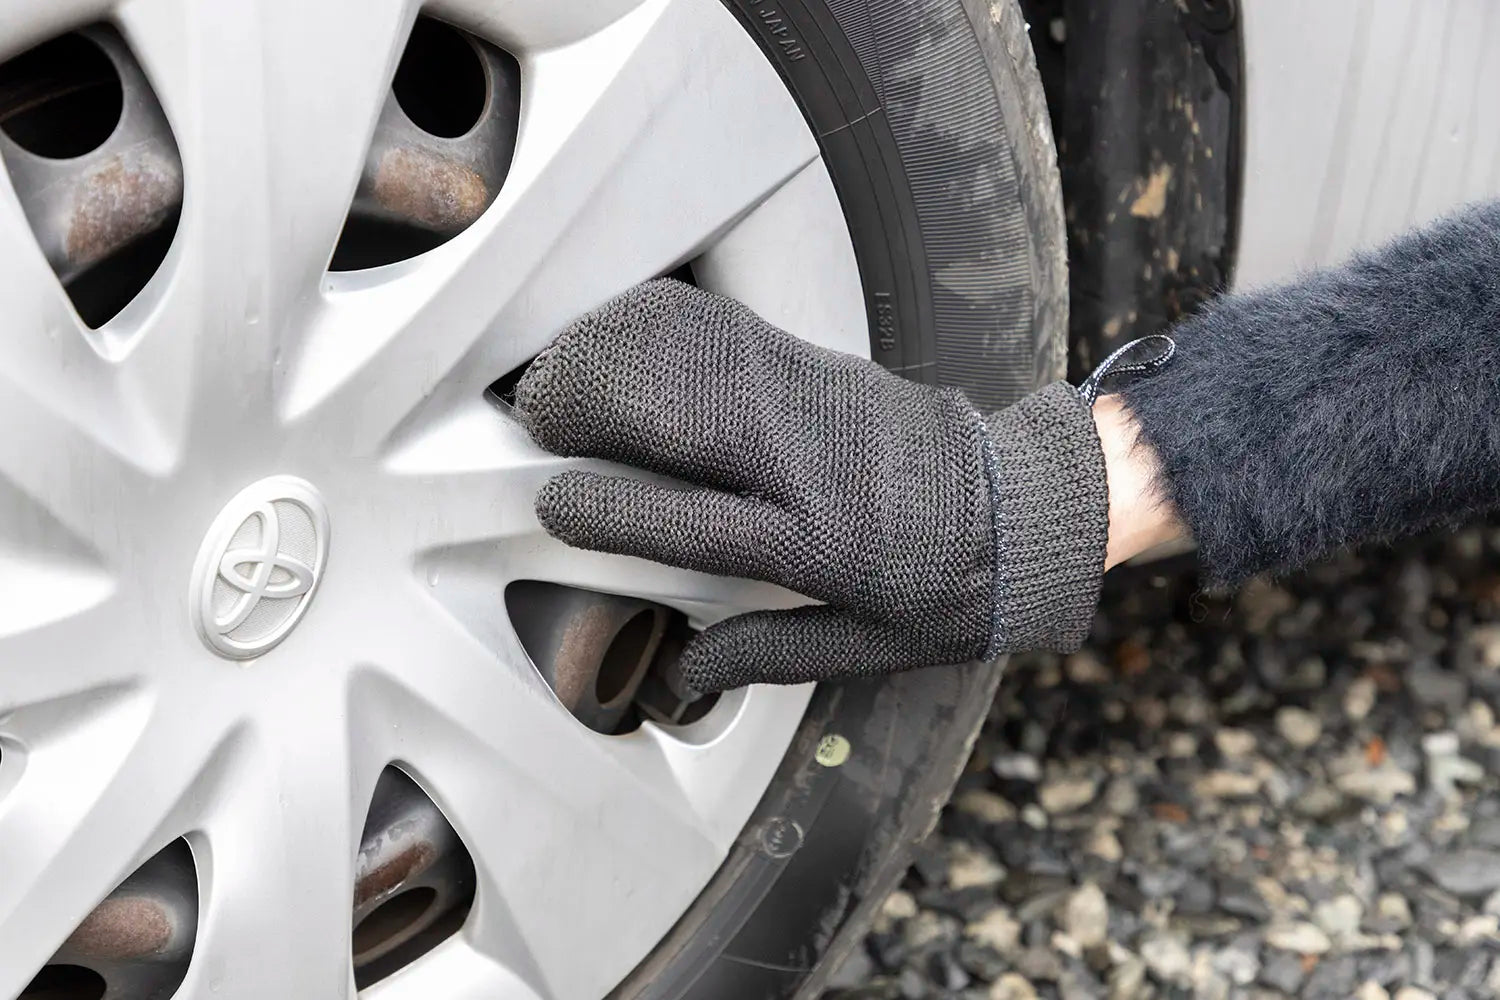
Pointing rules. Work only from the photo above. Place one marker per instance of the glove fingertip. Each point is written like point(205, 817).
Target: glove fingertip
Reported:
point(549, 396)
point(533, 397)
point(704, 670)
point(558, 506)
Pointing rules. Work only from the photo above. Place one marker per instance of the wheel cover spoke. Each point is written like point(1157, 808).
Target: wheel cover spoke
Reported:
point(474, 478)
point(533, 25)
point(44, 659)
point(20, 28)
point(89, 428)
point(277, 859)
point(464, 973)
point(273, 104)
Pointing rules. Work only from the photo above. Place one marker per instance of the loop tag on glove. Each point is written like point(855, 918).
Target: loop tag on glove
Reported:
point(1136, 359)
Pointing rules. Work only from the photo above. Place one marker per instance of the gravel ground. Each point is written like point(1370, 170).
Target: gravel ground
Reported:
point(1292, 792)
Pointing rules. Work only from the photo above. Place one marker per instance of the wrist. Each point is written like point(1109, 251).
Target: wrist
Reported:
point(1140, 516)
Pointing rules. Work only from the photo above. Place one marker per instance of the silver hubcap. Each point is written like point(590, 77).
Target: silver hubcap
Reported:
point(651, 133)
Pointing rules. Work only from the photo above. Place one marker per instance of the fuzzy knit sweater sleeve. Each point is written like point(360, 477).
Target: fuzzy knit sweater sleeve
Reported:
point(1355, 404)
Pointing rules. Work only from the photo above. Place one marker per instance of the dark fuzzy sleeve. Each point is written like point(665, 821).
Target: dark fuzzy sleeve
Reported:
point(1357, 404)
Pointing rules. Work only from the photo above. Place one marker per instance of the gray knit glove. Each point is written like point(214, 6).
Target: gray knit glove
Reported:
point(931, 533)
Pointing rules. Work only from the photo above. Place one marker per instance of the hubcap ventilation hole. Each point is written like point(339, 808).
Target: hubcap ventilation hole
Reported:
point(440, 81)
point(61, 99)
point(138, 942)
point(413, 880)
point(65, 982)
point(441, 149)
point(610, 660)
point(94, 165)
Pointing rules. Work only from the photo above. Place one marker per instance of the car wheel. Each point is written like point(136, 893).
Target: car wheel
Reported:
point(296, 698)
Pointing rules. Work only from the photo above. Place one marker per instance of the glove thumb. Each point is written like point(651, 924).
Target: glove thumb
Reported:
point(814, 643)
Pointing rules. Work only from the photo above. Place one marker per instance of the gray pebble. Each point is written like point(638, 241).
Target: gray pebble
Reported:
point(1382, 784)
point(1445, 773)
point(1157, 883)
point(1085, 916)
point(1413, 993)
point(996, 930)
point(1017, 767)
point(1042, 905)
point(1464, 968)
point(1320, 802)
point(1391, 913)
point(1227, 785)
point(1128, 979)
point(1310, 674)
point(1385, 968)
point(1064, 795)
point(856, 969)
point(1298, 726)
point(1077, 984)
point(981, 961)
point(1282, 971)
point(1012, 987)
point(1485, 832)
point(1301, 937)
point(1239, 963)
point(1167, 958)
point(1121, 797)
point(1039, 964)
point(1436, 687)
point(1339, 917)
point(944, 969)
point(1241, 899)
point(1196, 897)
point(1332, 979)
point(1235, 743)
point(1443, 744)
point(929, 930)
point(1360, 698)
point(1422, 959)
point(1469, 872)
point(913, 985)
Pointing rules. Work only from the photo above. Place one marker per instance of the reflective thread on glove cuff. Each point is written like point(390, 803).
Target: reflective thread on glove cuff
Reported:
point(998, 586)
point(1157, 349)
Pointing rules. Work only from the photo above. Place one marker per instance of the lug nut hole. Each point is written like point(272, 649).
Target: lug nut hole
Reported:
point(61, 99)
point(65, 982)
point(440, 82)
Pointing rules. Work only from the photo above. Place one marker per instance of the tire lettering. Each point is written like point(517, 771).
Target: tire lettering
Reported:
point(790, 47)
point(885, 321)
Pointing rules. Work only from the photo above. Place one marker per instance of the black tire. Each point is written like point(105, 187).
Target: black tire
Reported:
point(935, 131)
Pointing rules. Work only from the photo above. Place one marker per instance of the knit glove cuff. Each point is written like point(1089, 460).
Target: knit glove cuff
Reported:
point(1050, 502)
